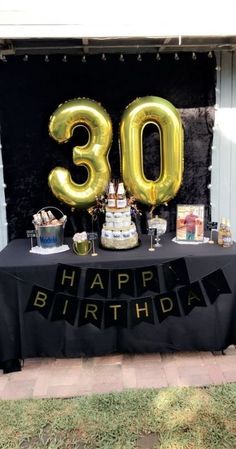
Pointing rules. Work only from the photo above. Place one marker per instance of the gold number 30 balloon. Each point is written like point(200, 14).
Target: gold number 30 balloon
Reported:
point(93, 155)
point(163, 114)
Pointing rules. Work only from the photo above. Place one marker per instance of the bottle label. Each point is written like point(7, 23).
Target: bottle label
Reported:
point(227, 241)
point(121, 203)
point(111, 202)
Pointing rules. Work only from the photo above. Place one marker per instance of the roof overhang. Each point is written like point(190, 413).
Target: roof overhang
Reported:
point(89, 26)
point(118, 45)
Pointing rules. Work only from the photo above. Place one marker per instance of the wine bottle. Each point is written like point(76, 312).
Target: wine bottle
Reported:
point(121, 198)
point(111, 201)
point(221, 231)
point(227, 236)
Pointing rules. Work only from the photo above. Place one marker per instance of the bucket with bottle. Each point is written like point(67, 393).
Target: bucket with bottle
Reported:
point(49, 227)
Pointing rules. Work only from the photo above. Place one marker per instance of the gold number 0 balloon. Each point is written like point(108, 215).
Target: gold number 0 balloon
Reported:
point(93, 155)
point(163, 114)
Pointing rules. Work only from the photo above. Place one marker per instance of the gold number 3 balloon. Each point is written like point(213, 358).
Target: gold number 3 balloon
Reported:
point(163, 114)
point(93, 155)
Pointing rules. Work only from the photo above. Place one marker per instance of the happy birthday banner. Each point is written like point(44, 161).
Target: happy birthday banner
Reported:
point(102, 300)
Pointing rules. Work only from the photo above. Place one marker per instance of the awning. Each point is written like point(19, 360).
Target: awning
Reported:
point(90, 26)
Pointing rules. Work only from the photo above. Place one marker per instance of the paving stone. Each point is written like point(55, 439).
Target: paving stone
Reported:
point(230, 376)
point(3, 382)
point(149, 371)
point(197, 380)
point(226, 362)
point(108, 374)
point(172, 375)
point(187, 358)
point(41, 386)
point(129, 377)
point(191, 370)
point(50, 377)
point(215, 374)
point(18, 389)
point(66, 379)
point(150, 377)
point(107, 387)
point(67, 391)
point(150, 382)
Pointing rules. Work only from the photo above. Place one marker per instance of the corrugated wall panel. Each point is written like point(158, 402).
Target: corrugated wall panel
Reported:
point(233, 155)
point(223, 191)
point(215, 175)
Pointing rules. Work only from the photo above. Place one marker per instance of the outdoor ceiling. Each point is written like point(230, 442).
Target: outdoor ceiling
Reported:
point(117, 45)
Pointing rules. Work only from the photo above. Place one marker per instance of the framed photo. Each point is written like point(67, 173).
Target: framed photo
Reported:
point(190, 222)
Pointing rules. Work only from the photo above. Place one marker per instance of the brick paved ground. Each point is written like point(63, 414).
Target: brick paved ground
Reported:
point(60, 378)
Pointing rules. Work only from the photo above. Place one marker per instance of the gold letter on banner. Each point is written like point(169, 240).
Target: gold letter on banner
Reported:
point(165, 116)
point(93, 155)
point(40, 300)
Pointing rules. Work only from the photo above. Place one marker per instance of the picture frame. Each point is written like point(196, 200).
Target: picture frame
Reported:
point(190, 223)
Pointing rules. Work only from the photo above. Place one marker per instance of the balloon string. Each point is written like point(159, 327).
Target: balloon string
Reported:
point(152, 209)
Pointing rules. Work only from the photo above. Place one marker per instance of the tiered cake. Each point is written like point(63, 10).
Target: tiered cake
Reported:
point(118, 231)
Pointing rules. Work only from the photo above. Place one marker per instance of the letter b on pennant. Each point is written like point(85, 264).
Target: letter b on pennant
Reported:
point(40, 300)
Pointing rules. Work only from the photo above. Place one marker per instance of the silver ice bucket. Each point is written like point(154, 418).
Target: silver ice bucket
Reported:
point(50, 236)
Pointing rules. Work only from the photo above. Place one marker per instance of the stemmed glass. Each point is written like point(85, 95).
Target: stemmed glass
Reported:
point(160, 225)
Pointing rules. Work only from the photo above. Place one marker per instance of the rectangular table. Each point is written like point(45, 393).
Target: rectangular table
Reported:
point(208, 326)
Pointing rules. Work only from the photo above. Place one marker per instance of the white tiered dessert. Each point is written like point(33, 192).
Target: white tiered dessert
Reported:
point(118, 231)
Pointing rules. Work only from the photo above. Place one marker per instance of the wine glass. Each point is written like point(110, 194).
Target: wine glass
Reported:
point(160, 225)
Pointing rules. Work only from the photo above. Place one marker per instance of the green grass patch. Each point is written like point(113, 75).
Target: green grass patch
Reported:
point(171, 418)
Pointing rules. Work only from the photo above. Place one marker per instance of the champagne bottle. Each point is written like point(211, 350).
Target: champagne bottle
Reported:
point(121, 198)
point(111, 196)
point(227, 236)
point(221, 231)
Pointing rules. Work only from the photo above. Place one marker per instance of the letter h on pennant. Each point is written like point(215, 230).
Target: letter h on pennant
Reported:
point(67, 279)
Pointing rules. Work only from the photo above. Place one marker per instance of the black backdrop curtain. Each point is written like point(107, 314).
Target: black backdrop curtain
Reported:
point(31, 91)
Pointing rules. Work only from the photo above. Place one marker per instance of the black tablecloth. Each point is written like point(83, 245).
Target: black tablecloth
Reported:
point(28, 334)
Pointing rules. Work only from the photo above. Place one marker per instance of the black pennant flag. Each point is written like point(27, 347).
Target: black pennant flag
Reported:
point(215, 284)
point(191, 296)
point(41, 299)
point(115, 313)
point(122, 282)
point(175, 273)
point(91, 312)
point(147, 280)
point(65, 308)
point(141, 310)
point(96, 283)
point(166, 305)
point(67, 279)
